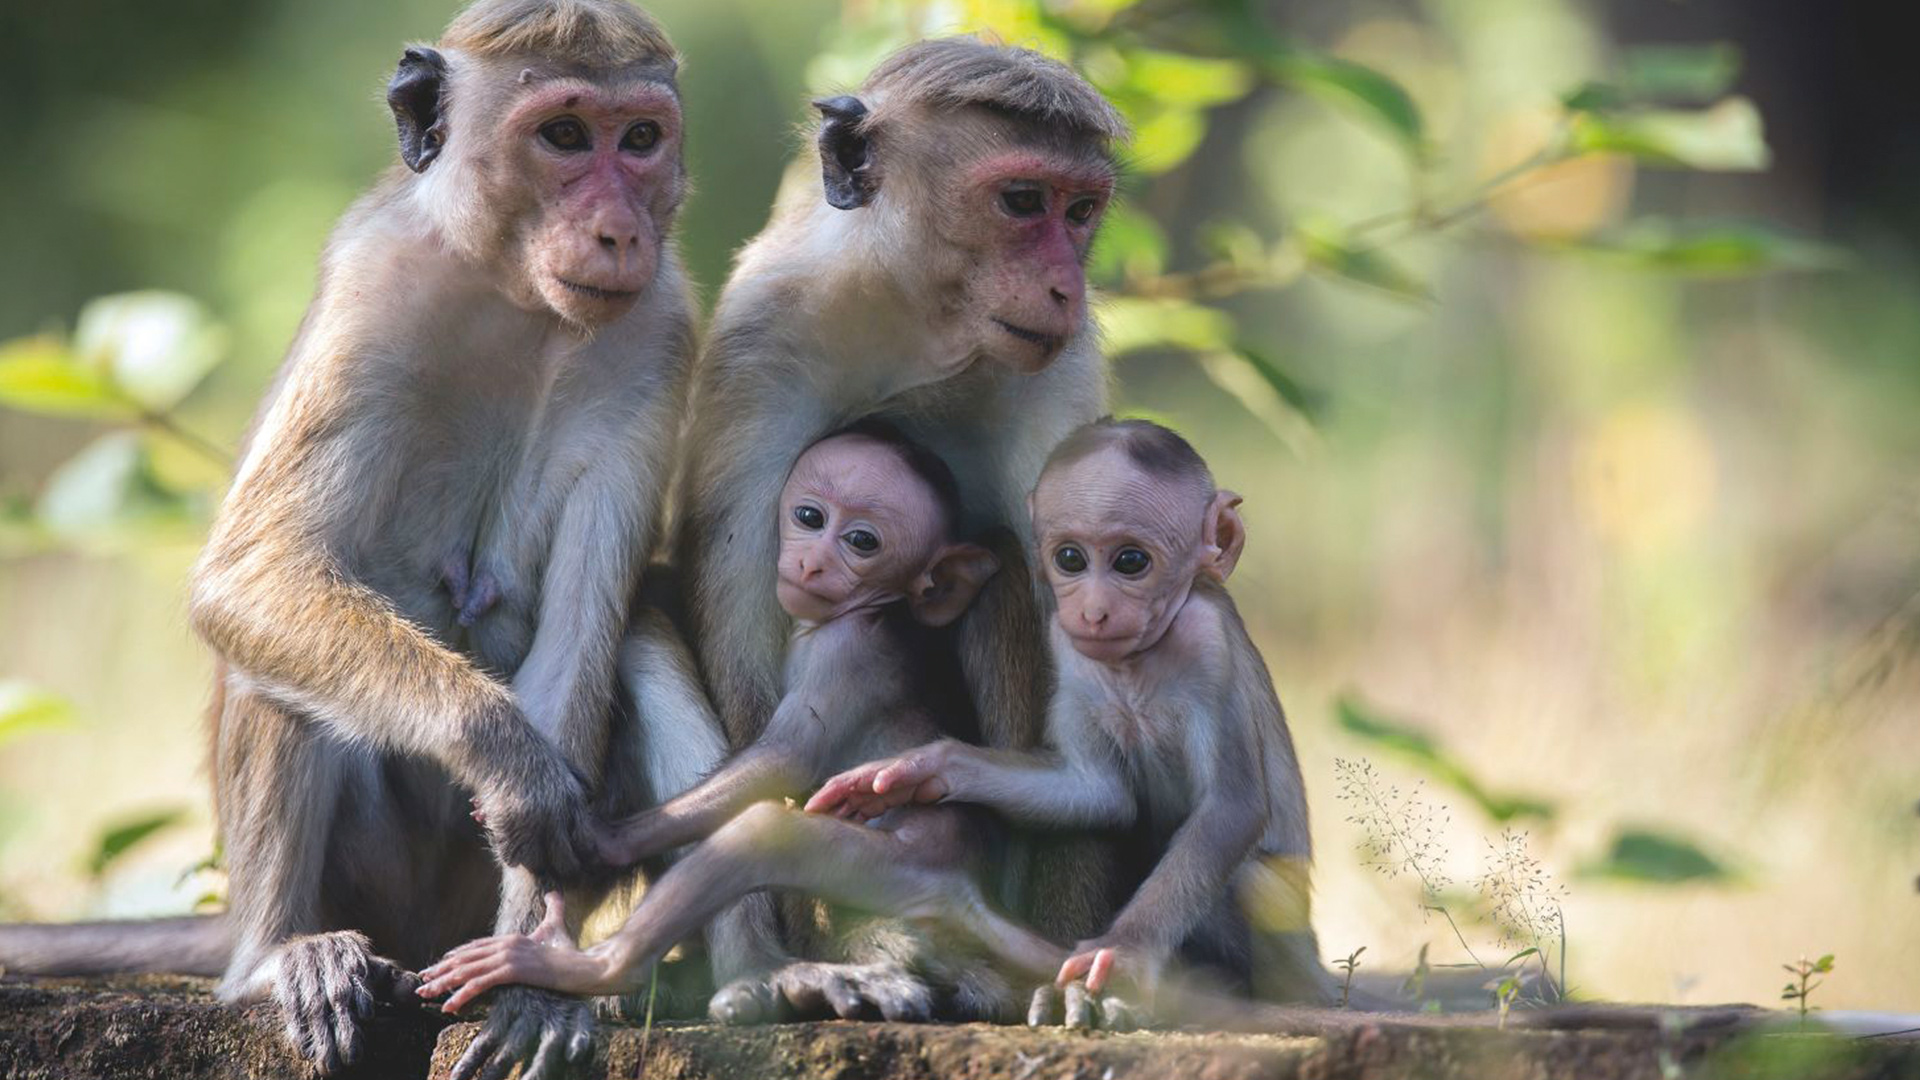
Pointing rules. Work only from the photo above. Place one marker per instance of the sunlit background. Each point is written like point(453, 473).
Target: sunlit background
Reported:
point(1565, 354)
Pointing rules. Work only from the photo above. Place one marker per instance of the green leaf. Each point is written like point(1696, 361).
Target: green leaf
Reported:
point(116, 841)
point(1164, 138)
point(1356, 87)
point(1519, 956)
point(1130, 323)
point(1651, 856)
point(1824, 964)
point(1693, 74)
point(1718, 250)
point(25, 708)
point(1254, 383)
point(1421, 749)
point(1130, 244)
point(1328, 251)
point(1594, 97)
point(155, 346)
point(1723, 138)
point(110, 487)
point(41, 375)
point(1180, 80)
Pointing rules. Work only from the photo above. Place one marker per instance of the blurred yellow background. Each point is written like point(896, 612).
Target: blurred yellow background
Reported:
point(1576, 433)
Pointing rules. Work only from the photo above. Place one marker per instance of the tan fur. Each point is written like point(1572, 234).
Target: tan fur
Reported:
point(439, 428)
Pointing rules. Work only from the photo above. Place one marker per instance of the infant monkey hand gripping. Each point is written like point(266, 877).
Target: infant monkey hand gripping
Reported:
point(865, 555)
point(1164, 712)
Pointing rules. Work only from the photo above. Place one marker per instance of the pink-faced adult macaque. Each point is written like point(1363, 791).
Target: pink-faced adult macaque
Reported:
point(867, 565)
point(1164, 718)
point(419, 583)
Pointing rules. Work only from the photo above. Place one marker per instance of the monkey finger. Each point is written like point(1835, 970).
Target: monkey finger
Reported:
point(512, 1048)
point(1075, 967)
point(1079, 1005)
point(842, 998)
point(1043, 1007)
point(1103, 960)
point(580, 1044)
point(549, 1061)
point(477, 985)
point(479, 1051)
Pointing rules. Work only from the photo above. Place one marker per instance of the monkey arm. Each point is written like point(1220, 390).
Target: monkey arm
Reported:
point(1031, 787)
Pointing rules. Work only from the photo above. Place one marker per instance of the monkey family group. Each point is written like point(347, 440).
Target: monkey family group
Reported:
point(529, 585)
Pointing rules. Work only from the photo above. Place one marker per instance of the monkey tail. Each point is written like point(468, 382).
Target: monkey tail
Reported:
point(187, 945)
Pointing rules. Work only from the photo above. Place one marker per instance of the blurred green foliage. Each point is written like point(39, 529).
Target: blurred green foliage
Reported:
point(1555, 412)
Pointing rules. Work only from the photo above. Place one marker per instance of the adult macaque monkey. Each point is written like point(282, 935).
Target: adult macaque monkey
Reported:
point(932, 276)
point(1164, 715)
point(419, 581)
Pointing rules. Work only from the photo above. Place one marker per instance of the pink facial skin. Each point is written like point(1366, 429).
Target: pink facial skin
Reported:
point(857, 529)
point(1122, 548)
point(606, 162)
point(1043, 215)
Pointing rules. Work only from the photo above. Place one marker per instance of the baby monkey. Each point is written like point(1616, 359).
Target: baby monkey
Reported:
point(867, 564)
point(1164, 719)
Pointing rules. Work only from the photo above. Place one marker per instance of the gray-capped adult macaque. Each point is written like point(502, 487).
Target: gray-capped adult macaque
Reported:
point(1165, 718)
point(930, 273)
point(867, 563)
point(419, 581)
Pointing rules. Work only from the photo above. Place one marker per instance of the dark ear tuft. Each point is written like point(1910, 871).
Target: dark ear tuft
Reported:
point(846, 155)
point(417, 97)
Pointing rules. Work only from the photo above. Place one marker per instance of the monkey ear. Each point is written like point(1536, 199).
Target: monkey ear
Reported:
point(1222, 537)
point(846, 155)
point(950, 583)
point(416, 95)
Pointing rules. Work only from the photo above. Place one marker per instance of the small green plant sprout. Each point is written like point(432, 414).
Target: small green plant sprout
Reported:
point(1803, 985)
point(1505, 993)
point(1416, 985)
point(1347, 963)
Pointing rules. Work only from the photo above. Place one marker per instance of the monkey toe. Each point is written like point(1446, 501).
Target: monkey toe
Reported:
point(1043, 1008)
point(745, 1002)
point(900, 996)
point(1080, 1006)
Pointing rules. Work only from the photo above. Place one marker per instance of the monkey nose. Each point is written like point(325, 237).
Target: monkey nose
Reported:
point(1059, 297)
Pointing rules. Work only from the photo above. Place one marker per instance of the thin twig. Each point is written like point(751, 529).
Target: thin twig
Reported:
point(201, 445)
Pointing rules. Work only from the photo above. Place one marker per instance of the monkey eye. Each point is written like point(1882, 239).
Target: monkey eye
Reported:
point(1070, 559)
point(641, 137)
point(566, 134)
point(1024, 201)
point(809, 517)
point(1081, 211)
point(862, 541)
point(1131, 562)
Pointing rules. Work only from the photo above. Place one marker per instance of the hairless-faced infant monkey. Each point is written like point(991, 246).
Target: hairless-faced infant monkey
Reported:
point(866, 562)
point(1164, 716)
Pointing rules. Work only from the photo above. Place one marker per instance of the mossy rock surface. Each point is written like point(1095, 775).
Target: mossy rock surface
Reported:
point(160, 1027)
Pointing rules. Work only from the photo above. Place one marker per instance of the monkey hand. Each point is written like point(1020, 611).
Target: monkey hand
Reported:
point(548, 957)
point(542, 822)
point(867, 791)
point(1094, 966)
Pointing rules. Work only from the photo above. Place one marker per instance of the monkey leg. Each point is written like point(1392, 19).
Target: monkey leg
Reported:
point(915, 867)
point(281, 780)
point(678, 743)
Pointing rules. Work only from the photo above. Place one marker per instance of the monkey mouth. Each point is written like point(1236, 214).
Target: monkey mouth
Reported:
point(593, 292)
point(1047, 342)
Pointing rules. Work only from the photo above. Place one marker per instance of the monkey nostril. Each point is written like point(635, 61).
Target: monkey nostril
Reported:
point(1058, 297)
point(609, 243)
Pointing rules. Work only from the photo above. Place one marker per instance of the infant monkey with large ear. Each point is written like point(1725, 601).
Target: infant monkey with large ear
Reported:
point(1164, 717)
point(867, 564)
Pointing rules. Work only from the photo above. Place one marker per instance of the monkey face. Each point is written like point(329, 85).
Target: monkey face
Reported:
point(603, 162)
point(1121, 548)
point(1031, 215)
point(857, 527)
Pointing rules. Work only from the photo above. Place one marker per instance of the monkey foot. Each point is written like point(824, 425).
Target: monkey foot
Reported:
point(1085, 1009)
point(327, 985)
point(547, 1034)
point(807, 990)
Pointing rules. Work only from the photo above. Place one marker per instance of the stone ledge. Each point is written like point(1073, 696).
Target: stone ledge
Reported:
point(159, 1027)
